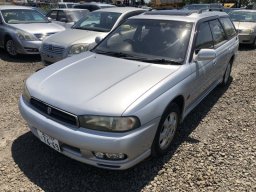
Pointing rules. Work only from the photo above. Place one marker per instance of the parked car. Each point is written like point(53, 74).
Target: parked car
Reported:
point(93, 6)
point(66, 17)
point(212, 6)
point(22, 29)
point(82, 35)
point(66, 5)
point(245, 22)
point(229, 10)
point(115, 105)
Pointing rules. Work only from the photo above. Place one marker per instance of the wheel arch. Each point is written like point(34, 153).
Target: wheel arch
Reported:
point(180, 101)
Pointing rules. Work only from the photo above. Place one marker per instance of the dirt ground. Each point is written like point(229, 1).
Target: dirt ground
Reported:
point(214, 150)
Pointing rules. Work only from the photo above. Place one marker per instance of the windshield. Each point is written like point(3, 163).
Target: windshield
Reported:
point(243, 16)
point(18, 16)
point(156, 41)
point(75, 15)
point(98, 21)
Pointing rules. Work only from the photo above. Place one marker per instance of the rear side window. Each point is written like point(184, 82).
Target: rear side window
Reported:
point(53, 15)
point(228, 27)
point(204, 37)
point(219, 36)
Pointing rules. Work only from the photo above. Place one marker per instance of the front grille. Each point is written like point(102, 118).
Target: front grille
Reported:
point(47, 48)
point(54, 113)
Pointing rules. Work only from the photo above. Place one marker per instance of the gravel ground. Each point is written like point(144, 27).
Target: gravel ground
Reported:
point(214, 151)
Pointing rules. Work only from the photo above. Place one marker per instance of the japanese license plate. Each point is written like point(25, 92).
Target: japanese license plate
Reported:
point(53, 143)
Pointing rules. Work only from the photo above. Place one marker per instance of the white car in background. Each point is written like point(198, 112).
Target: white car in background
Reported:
point(81, 37)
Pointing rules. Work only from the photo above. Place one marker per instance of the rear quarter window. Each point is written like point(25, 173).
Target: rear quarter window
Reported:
point(228, 27)
point(218, 34)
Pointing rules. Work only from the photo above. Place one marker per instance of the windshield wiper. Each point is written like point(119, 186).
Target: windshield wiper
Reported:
point(112, 53)
point(137, 58)
point(161, 61)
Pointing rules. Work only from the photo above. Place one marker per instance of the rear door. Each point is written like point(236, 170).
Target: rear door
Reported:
point(231, 45)
point(221, 46)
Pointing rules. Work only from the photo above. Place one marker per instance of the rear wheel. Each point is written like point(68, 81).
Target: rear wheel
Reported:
point(253, 45)
point(226, 76)
point(166, 130)
point(11, 48)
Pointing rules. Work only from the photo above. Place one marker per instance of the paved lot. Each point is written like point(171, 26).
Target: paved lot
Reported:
point(215, 149)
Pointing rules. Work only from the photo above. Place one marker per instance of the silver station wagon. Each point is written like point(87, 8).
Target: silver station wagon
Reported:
point(123, 101)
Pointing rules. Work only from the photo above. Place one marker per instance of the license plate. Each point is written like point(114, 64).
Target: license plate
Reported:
point(53, 143)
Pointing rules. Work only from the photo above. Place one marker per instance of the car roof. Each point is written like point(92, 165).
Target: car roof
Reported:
point(119, 9)
point(179, 15)
point(5, 7)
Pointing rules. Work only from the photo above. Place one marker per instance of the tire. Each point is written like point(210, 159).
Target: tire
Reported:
point(253, 45)
point(226, 76)
point(166, 130)
point(10, 48)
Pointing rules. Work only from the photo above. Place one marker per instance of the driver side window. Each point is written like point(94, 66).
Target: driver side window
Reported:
point(204, 37)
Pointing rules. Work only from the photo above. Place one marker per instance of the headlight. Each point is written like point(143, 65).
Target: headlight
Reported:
point(24, 36)
point(78, 48)
point(26, 94)
point(247, 31)
point(115, 124)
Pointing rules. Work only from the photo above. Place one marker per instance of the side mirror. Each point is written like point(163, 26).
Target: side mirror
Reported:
point(50, 19)
point(97, 40)
point(205, 55)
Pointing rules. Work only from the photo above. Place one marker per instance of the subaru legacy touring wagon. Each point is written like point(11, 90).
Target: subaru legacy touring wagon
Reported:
point(123, 101)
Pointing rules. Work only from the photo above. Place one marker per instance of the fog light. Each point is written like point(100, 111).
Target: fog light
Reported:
point(99, 155)
point(110, 156)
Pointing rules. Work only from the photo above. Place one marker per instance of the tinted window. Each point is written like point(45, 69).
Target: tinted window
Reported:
point(61, 16)
point(204, 37)
point(219, 36)
point(228, 27)
point(53, 15)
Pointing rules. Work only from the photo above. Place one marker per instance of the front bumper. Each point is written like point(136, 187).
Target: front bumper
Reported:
point(49, 58)
point(135, 144)
point(246, 38)
point(28, 47)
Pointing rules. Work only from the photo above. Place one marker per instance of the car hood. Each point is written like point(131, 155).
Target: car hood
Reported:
point(95, 84)
point(73, 36)
point(39, 28)
point(245, 25)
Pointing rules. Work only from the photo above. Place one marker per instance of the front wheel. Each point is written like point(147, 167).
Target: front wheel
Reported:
point(11, 48)
point(166, 130)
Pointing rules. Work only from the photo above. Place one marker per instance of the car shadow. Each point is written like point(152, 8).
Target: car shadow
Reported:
point(20, 58)
point(52, 171)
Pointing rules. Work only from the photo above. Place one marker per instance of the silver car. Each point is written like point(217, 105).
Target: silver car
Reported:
point(245, 23)
point(81, 37)
point(66, 17)
point(123, 101)
point(22, 29)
